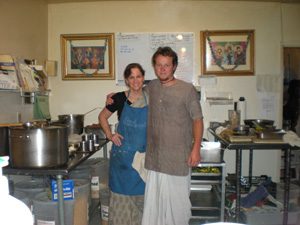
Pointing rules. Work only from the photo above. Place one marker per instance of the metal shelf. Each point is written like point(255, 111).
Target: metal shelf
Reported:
point(209, 204)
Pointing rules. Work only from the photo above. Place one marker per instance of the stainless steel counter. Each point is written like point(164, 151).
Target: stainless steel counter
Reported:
point(239, 147)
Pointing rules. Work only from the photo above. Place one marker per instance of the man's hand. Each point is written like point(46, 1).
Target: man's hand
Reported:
point(194, 158)
point(109, 100)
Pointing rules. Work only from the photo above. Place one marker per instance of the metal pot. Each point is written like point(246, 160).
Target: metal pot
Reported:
point(38, 147)
point(75, 122)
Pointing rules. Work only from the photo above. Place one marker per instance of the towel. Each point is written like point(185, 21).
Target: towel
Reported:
point(252, 198)
point(291, 138)
point(41, 107)
point(138, 164)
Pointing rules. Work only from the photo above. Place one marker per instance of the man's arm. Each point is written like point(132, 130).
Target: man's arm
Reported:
point(194, 158)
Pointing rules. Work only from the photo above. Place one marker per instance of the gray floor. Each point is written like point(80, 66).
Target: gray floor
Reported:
point(205, 199)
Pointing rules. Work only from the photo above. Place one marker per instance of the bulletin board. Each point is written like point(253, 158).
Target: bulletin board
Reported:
point(139, 48)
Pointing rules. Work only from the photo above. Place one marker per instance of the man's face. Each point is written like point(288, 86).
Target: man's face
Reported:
point(164, 68)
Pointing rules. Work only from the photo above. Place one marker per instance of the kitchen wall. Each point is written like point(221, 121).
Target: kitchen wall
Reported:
point(24, 33)
point(174, 16)
point(275, 25)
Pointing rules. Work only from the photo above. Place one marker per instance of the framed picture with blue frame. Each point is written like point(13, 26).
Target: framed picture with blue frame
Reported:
point(227, 53)
point(87, 56)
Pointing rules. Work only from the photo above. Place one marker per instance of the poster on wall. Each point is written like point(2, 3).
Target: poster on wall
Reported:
point(139, 48)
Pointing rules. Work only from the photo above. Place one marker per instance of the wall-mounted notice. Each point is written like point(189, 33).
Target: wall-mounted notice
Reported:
point(139, 48)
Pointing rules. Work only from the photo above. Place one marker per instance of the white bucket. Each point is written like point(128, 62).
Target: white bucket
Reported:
point(31, 188)
point(82, 191)
point(104, 202)
point(84, 173)
point(100, 174)
point(46, 211)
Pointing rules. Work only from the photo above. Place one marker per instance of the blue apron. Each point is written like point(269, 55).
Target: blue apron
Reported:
point(124, 179)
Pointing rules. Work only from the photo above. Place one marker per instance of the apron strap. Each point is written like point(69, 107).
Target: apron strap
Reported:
point(143, 94)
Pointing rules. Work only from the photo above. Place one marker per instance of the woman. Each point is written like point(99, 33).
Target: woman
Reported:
point(127, 187)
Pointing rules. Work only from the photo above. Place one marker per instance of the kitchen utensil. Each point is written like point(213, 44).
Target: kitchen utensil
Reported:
point(262, 123)
point(83, 145)
point(38, 147)
point(234, 117)
point(241, 130)
point(270, 134)
point(97, 130)
point(91, 145)
point(74, 121)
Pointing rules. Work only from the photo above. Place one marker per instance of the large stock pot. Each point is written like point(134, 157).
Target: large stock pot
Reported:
point(38, 146)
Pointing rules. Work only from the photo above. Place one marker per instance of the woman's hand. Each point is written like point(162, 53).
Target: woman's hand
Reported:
point(109, 100)
point(116, 139)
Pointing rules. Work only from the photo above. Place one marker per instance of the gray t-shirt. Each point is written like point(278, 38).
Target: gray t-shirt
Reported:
point(171, 113)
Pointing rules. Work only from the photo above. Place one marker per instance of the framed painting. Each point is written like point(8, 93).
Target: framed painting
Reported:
point(227, 53)
point(87, 56)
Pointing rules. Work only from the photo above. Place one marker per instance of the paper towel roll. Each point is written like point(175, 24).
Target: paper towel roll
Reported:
point(242, 106)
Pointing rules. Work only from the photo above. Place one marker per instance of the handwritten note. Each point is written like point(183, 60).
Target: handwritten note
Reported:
point(139, 48)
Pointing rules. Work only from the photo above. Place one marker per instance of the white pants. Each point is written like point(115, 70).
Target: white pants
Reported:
point(167, 199)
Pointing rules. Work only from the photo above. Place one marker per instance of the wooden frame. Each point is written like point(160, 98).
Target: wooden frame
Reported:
point(227, 53)
point(87, 56)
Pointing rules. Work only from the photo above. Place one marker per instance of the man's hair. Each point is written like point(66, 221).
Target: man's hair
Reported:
point(165, 51)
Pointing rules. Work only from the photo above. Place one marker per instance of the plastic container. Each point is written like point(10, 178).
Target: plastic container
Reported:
point(294, 193)
point(82, 191)
point(84, 173)
point(100, 174)
point(24, 198)
point(104, 202)
point(269, 216)
point(46, 211)
point(31, 188)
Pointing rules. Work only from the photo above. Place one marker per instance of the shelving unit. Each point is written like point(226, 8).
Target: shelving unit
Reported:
point(208, 194)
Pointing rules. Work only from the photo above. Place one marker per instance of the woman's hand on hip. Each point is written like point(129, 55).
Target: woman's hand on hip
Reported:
point(116, 139)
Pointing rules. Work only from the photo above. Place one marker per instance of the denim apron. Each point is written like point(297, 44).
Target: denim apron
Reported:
point(124, 179)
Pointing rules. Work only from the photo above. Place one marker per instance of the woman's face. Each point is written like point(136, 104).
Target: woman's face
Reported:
point(135, 80)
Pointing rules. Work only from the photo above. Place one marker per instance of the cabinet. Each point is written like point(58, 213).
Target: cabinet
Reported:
point(208, 194)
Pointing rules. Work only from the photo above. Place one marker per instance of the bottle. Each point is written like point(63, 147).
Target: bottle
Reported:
point(241, 105)
point(12, 210)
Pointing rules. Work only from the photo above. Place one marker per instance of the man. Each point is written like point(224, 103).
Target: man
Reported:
point(174, 136)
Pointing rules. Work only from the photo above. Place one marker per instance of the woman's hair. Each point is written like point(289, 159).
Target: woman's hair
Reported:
point(165, 51)
point(130, 66)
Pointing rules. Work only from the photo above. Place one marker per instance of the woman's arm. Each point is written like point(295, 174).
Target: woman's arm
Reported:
point(103, 120)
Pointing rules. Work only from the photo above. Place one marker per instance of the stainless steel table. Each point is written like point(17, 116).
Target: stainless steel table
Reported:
point(59, 172)
point(239, 147)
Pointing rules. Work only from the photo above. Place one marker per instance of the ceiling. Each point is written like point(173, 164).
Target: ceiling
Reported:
point(69, 1)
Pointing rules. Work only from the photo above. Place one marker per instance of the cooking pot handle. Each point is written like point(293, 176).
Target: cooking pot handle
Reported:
point(92, 110)
point(20, 137)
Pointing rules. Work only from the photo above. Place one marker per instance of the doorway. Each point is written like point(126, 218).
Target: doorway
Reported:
point(291, 89)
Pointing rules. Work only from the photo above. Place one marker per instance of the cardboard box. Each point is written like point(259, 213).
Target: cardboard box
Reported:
point(68, 190)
